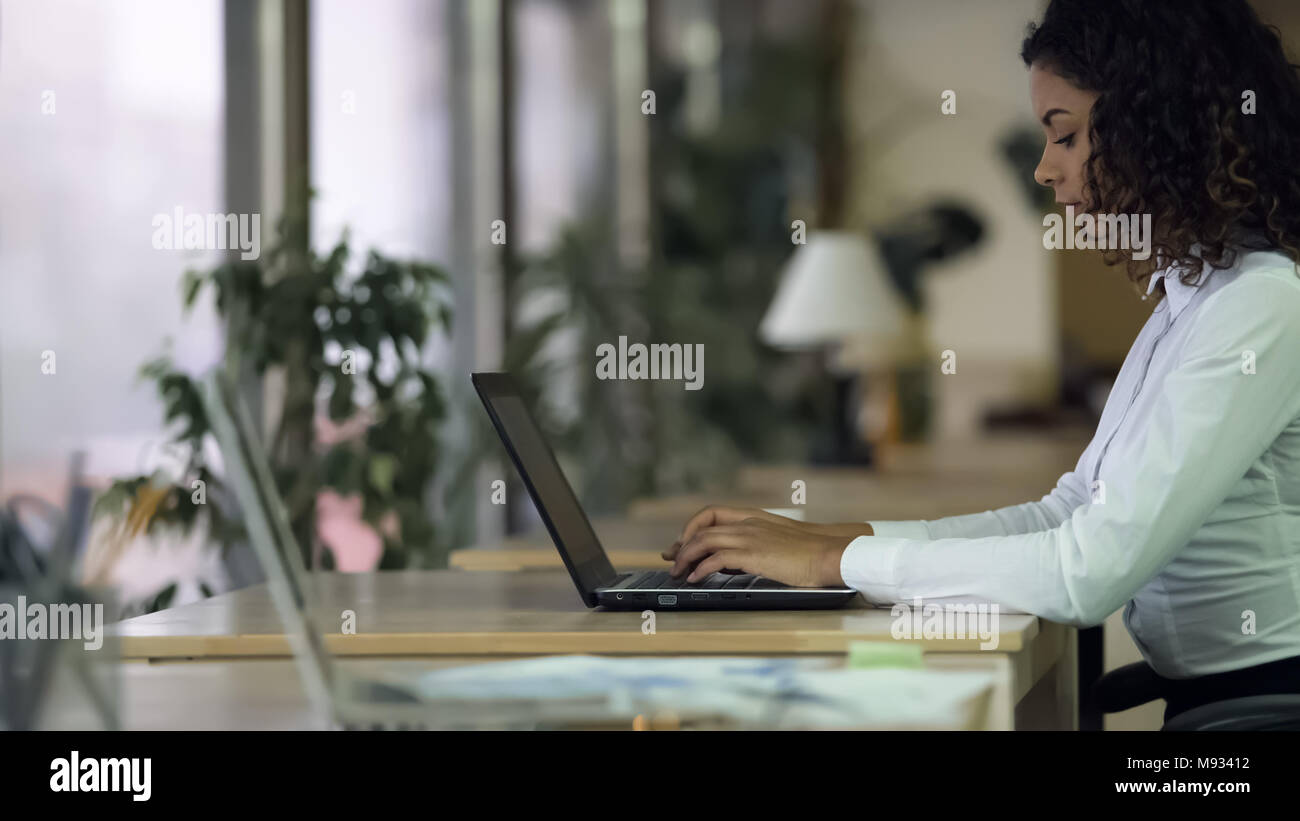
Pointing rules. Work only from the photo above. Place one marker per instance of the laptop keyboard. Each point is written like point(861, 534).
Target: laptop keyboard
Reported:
point(662, 580)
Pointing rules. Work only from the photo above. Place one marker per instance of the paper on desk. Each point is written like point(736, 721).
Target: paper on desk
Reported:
point(779, 693)
point(954, 601)
point(797, 513)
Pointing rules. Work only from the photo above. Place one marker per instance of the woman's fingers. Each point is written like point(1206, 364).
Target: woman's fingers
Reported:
point(725, 559)
point(712, 518)
point(708, 541)
point(671, 552)
point(786, 554)
point(715, 515)
point(708, 517)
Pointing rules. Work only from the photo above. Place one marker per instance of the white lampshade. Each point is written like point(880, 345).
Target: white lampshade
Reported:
point(834, 288)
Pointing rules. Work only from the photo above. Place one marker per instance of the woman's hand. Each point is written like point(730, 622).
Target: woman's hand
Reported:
point(803, 554)
point(716, 515)
point(791, 555)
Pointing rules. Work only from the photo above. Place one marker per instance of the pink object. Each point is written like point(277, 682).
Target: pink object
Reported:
point(355, 544)
point(328, 433)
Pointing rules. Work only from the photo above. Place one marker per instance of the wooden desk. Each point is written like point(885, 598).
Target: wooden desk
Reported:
point(433, 613)
point(263, 694)
point(460, 615)
point(267, 694)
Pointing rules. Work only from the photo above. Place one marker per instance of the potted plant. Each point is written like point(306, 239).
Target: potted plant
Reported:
point(357, 417)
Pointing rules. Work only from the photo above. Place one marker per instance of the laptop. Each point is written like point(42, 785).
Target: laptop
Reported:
point(597, 581)
point(344, 700)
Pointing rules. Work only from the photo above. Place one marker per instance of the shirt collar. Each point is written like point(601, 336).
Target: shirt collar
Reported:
point(1177, 293)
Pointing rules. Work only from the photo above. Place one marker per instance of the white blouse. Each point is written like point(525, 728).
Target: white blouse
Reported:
point(1185, 505)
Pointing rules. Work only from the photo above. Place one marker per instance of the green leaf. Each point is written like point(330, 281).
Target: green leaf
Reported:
point(382, 467)
point(191, 283)
point(393, 558)
point(162, 600)
point(273, 308)
point(341, 407)
point(113, 501)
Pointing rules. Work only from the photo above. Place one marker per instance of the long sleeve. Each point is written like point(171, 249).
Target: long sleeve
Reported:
point(1210, 421)
point(1071, 491)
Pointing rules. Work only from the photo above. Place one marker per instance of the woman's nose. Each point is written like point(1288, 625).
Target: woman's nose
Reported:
point(1045, 174)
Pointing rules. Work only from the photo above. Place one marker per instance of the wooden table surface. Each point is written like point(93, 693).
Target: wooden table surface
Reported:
point(246, 694)
point(437, 613)
point(268, 694)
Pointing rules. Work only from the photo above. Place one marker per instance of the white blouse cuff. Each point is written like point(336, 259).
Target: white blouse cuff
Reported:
point(868, 567)
point(902, 529)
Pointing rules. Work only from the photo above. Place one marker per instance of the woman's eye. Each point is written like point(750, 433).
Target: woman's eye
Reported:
point(1067, 140)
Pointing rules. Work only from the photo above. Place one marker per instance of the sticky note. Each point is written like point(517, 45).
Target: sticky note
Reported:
point(867, 654)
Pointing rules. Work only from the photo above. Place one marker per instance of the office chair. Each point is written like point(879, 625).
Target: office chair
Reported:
point(1137, 683)
point(1271, 712)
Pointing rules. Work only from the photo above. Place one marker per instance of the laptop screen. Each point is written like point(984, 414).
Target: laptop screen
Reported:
point(551, 493)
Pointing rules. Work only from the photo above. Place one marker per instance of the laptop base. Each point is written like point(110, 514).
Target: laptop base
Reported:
point(795, 598)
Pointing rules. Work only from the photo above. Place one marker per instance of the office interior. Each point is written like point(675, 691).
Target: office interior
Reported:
point(832, 201)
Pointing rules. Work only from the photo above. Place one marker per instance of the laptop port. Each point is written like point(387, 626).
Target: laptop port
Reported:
point(699, 596)
point(667, 598)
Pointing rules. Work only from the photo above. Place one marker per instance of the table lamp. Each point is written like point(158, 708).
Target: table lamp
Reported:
point(835, 294)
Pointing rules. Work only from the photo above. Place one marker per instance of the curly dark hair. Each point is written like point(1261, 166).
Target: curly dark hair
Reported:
point(1168, 132)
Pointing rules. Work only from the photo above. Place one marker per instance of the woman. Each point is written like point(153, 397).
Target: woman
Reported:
point(1185, 507)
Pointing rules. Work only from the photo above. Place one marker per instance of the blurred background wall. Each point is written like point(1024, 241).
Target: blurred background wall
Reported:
point(994, 306)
